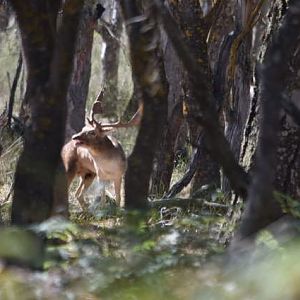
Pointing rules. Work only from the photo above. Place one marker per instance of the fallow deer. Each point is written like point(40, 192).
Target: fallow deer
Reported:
point(94, 153)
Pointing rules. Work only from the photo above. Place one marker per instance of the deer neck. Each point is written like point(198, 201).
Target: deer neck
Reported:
point(101, 147)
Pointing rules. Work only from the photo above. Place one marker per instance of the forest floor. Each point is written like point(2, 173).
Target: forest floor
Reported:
point(168, 253)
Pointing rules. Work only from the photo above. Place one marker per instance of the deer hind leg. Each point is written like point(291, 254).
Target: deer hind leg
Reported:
point(117, 185)
point(85, 182)
point(102, 195)
point(101, 199)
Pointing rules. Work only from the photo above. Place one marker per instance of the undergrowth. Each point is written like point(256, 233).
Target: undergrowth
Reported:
point(163, 254)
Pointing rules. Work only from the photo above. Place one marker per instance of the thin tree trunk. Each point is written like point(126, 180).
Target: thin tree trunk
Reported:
point(78, 89)
point(165, 154)
point(161, 177)
point(110, 64)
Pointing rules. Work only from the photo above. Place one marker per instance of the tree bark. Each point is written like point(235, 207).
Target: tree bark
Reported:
point(195, 28)
point(204, 109)
point(148, 71)
point(110, 64)
point(165, 156)
point(237, 102)
point(49, 58)
point(79, 86)
point(262, 209)
point(271, 17)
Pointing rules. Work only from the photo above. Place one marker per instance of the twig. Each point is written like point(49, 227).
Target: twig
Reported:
point(13, 90)
point(216, 205)
point(177, 202)
point(10, 148)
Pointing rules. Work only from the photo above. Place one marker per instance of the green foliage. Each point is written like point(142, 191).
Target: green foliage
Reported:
point(21, 246)
point(166, 254)
point(288, 204)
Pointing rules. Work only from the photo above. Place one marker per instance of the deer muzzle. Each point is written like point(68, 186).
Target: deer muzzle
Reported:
point(78, 139)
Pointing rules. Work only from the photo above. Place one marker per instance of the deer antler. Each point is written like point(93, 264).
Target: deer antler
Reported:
point(134, 121)
point(96, 109)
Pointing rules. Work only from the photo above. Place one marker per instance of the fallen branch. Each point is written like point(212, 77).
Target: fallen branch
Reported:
point(186, 203)
point(187, 177)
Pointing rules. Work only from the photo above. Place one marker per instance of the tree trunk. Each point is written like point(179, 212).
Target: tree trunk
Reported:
point(110, 64)
point(271, 167)
point(165, 154)
point(78, 89)
point(237, 102)
point(195, 28)
point(148, 71)
point(204, 110)
point(250, 135)
point(49, 57)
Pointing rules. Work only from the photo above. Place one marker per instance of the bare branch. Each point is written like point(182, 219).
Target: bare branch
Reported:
point(186, 203)
point(187, 177)
point(13, 90)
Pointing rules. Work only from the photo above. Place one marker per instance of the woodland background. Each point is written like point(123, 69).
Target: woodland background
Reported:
point(212, 185)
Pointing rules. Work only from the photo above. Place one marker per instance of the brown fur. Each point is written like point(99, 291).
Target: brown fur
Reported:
point(93, 153)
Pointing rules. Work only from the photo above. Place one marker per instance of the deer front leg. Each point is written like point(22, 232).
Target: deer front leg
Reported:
point(102, 195)
point(117, 185)
point(85, 183)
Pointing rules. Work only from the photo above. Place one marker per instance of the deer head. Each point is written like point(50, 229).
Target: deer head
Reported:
point(95, 131)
